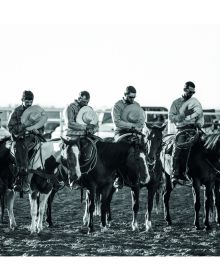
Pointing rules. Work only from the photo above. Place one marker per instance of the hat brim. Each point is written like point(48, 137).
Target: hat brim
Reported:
point(133, 108)
point(34, 109)
point(83, 110)
point(39, 124)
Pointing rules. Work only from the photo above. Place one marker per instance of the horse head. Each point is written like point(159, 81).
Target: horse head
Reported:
point(154, 142)
point(137, 156)
point(70, 159)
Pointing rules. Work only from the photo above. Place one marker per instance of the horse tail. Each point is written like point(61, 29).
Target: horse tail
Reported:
point(81, 195)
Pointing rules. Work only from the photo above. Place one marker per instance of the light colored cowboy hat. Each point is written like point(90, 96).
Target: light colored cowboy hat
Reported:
point(34, 117)
point(86, 116)
point(133, 113)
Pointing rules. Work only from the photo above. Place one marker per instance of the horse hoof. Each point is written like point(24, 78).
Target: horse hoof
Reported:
point(90, 231)
point(169, 223)
point(208, 228)
point(104, 229)
point(197, 227)
point(148, 226)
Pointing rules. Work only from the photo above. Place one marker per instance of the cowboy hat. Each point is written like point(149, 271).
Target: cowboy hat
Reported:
point(86, 116)
point(133, 113)
point(34, 117)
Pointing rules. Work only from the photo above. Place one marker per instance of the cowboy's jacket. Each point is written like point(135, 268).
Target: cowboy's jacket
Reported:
point(119, 123)
point(179, 105)
point(70, 115)
point(14, 124)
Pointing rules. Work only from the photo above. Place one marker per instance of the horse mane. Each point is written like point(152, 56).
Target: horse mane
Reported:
point(211, 140)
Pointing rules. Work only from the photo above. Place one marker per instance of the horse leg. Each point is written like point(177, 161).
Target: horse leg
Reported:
point(105, 205)
point(109, 214)
point(34, 208)
point(151, 193)
point(49, 208)
point(217, 202)
point(86, 213)
point(91, 208)
point(135, 206)
point(97, 205)
point(10, 197)
point(208, 198)
point(166, 197)
point(43, 201)
point(197, 205)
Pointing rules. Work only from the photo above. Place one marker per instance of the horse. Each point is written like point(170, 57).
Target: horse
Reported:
point(204, 169)
point(6, 172)
point(45, 169)
point(129, 158)
point(154, 141)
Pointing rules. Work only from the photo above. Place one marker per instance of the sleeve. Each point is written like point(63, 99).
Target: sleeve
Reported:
point(197, 111)
point(14, 124)
point(174, 115)
point(116, 115)
point(71, 119)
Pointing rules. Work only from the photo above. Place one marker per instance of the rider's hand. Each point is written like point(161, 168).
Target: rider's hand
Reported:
point(181, 117)
point(90, 126)
point(36, 131)
point(133, 129)
point(188, 112)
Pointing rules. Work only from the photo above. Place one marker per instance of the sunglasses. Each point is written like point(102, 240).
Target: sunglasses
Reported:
point(131, 97)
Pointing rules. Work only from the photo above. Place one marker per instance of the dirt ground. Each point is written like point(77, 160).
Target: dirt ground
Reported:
point(69, 238)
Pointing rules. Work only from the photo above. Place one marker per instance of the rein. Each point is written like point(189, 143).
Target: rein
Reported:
point(213, 167)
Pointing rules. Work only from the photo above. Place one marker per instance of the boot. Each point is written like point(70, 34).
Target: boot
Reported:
point(179, 175)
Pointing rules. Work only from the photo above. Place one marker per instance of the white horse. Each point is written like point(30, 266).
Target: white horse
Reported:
point(43, 166)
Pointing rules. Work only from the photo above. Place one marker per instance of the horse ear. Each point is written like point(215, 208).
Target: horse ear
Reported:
point(148, 125)
point(163, 126)
point(65, 141)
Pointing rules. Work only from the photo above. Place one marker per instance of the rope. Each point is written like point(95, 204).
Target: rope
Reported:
point(91, 162)
point(187, 134)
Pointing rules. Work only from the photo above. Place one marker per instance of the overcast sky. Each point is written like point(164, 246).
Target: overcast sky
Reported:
point(56, 62)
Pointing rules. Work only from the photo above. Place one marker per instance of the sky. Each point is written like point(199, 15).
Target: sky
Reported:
point(57, 61)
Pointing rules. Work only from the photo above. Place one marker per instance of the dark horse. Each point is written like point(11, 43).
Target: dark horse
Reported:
point(154, 141)
point(108, 158)
point(204, 169)
point(6, 172)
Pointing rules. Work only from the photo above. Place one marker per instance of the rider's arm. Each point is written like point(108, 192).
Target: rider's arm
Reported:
point(14, 124)
point(71, 119)
point(174, 115)
point(116, 116)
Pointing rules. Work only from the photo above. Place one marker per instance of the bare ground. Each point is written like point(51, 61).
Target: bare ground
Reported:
point(69, 238)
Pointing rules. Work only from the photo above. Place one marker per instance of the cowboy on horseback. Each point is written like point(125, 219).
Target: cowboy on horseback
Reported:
point(187, 115)
point(128, 116)
point(80, 120)
point(26, 124)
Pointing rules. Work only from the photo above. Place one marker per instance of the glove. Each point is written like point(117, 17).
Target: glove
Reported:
point(181, 117)
point(90, 126)
point(133, 129)
point(188, 112)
